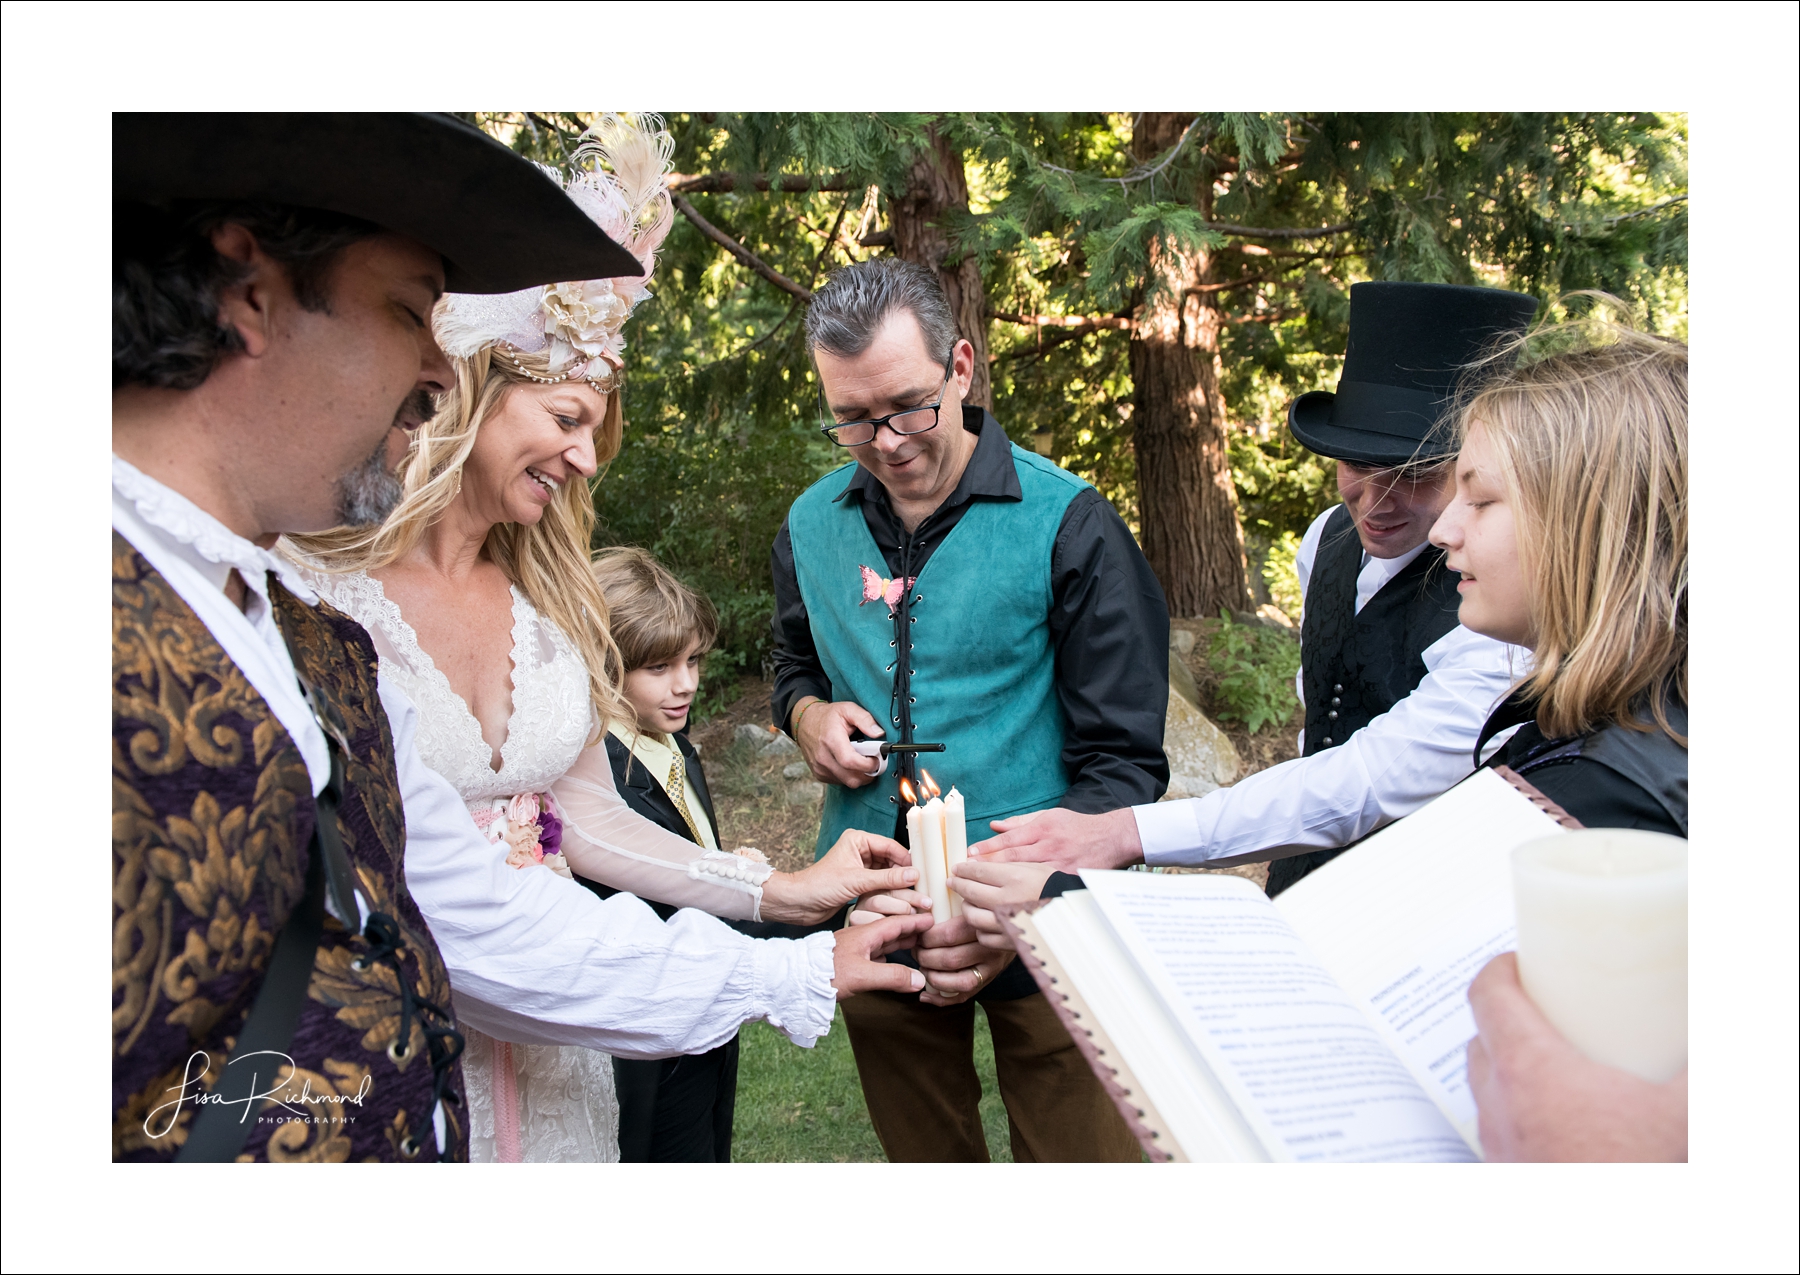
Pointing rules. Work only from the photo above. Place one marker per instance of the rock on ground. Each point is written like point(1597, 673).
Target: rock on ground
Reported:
point(1201, 757)
point(805, 793)
point(752, 734)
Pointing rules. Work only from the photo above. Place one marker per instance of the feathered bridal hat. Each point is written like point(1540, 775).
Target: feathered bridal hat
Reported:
point(581, 324)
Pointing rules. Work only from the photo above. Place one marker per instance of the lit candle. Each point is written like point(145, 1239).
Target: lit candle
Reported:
point(956, 844)
point(1603, 944)
point(936, 884)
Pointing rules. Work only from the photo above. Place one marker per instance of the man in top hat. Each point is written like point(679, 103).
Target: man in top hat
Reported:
point(1395, 690)
point(294, 891)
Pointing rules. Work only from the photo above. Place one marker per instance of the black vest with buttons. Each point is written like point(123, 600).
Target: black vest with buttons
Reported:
point(1357, 665)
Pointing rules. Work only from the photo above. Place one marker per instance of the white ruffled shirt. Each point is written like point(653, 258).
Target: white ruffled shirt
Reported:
point(1415, 751)
point(533, 958)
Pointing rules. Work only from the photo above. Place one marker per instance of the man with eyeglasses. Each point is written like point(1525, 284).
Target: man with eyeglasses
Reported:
point(950, 588)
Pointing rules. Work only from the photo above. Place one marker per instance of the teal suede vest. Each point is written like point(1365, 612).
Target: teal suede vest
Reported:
point(984, 672)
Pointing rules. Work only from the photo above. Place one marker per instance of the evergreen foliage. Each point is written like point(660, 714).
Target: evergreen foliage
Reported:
point(720, 399)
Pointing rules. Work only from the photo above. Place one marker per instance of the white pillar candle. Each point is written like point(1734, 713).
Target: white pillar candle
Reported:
point(936, 883)
point(956, 844)
point(1603, 944)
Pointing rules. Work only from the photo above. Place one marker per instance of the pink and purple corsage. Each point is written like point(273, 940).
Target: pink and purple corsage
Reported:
point(530, 828)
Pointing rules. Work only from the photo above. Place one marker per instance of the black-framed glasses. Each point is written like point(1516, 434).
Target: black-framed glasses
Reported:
point(914, 420)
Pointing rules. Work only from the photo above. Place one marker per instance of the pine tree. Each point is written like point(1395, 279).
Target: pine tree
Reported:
point(1146, 292)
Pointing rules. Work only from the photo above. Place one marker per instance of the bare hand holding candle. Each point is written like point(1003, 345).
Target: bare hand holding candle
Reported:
point(1603, 944)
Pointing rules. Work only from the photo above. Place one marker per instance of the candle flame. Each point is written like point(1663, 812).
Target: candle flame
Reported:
point(906, 790)
point(930, 783)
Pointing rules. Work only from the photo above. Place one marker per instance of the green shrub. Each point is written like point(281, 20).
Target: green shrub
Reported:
point(1282, 578)
point(1255, 667)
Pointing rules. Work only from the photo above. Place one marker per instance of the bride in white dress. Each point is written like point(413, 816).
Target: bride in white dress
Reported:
point(479, 598)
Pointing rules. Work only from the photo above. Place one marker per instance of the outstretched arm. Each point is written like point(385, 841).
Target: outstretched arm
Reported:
point(536, 959)
point(605, 840)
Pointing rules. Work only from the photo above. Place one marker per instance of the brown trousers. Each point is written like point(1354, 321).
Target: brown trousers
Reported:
point(917, 1064)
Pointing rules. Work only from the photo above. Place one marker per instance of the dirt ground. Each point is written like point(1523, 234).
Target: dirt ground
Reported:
point(751, 795)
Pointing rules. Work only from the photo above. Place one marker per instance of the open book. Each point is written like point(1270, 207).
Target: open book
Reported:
point(1327, 1025)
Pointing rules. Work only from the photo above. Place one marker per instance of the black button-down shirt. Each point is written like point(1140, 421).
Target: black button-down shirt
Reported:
point(1109, 624)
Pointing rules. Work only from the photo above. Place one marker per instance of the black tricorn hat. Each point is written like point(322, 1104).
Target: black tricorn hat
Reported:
point(499, 222)
point(1410, 346)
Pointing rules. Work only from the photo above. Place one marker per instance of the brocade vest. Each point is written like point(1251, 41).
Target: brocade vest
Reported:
point(977, 631)
point(212, 816)
point(1356, 665)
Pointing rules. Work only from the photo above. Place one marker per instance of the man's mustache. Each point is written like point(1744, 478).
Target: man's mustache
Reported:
point(415, 410)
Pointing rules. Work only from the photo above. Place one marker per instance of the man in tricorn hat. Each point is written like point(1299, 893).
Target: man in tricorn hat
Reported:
point(294, 891)
point(1395, 690)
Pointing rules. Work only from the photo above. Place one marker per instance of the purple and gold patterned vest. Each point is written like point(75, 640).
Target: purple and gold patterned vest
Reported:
point(212, 815)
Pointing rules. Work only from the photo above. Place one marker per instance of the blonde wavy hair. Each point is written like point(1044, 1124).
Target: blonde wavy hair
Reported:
point(547, 561)
point(1592, 444)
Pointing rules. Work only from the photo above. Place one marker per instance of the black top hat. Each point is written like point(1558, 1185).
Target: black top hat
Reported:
point(499, 222)
point(1410, 344)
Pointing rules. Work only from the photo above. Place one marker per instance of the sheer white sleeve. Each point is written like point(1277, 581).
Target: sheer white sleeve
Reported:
point(605, 840)
point(539, 960)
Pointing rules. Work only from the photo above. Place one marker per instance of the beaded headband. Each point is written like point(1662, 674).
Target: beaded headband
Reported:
point(580, 324)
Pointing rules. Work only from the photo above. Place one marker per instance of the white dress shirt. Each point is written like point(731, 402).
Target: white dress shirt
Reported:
point(1415, 751)
point(532, 958)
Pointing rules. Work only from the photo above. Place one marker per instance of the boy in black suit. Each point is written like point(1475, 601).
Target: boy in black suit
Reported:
point(670, 1109)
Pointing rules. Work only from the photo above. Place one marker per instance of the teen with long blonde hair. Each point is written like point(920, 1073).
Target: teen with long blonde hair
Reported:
point(1569, 527)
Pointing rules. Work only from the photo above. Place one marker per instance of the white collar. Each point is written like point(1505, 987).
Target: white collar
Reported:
point(213, 547)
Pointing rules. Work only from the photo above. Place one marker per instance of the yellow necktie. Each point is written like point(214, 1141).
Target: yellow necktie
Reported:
point(678, 793)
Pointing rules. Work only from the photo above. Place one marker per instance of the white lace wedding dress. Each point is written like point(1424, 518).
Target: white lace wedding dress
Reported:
point(566, 1102)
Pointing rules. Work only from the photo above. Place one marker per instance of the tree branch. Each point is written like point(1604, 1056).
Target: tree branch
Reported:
point(1265, 232)
point(826, 247)
point(738, 250)
point(725, 183)
point(1083, 322)
point(1047, 341)
point(1267, 316)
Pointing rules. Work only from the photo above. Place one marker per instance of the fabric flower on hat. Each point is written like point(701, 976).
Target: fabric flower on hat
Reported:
point(622, 183)
point(588, 317)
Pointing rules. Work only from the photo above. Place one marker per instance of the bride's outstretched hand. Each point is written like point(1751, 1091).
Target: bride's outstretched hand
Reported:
point(854, 967)
point(860, 863)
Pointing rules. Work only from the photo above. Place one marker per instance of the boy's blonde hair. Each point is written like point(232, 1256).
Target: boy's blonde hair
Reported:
point(655, 617)
point(1592, 445)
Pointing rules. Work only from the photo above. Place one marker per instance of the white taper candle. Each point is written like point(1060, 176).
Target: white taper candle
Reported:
point(956, 844)
point(933, 837)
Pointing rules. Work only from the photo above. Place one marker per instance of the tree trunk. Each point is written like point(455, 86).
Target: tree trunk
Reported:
point(1188, 514)
point(935, 185)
